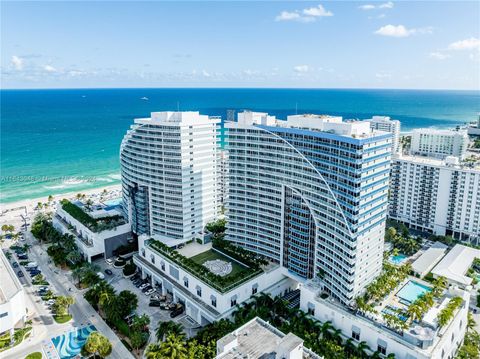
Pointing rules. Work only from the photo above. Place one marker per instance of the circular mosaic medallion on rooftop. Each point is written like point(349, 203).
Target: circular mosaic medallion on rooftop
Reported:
point(219, 267)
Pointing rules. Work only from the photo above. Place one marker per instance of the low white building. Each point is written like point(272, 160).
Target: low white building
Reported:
point(259, 339)
point(94, 241)
point(455, 264)
point(440, 143)
point(436, 196)
point(203, 301)
point(13, 310)
point(420, 341)
point(425, 263)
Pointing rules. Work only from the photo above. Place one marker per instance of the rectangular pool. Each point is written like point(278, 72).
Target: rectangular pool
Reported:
point(412, 290)
point(399, 259)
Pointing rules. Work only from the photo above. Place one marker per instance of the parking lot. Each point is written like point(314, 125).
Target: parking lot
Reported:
point(156, 315)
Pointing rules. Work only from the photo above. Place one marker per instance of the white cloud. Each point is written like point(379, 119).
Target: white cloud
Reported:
point(467, 44)
point(301, 68)
point(49, 68)
point(205, 73)
point(387, 5)
point(17, 62)
point(318, 11)
point(402, 31)
point(306, 15)
point(383, 75)
point(438, 56)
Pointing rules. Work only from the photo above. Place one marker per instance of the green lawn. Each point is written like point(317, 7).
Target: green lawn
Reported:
point(212, 255)
point(35, 355)
point(60, 319)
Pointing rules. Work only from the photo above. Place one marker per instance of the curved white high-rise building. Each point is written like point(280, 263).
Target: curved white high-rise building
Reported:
point(311, 194)
point(169, 174)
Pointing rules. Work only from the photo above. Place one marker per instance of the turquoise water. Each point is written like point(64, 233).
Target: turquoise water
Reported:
point(56, 141)
point(391, 311)
point(113, 202)
point(412, 290)
point(70, 345)
point(398, 259)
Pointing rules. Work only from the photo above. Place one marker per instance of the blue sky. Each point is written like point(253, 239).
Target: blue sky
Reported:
point(373, 44)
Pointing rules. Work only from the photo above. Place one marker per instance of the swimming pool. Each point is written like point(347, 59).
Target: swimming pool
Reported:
point(70, 345)
point(113, 202)
point(412, 290)
point(399, 259)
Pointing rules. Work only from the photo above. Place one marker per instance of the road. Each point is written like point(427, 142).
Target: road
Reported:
point(82, 312)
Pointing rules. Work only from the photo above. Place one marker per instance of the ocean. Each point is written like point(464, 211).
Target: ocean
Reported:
point(56, 141)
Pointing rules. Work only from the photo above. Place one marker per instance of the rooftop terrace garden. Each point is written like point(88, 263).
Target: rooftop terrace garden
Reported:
point(240, 273)
point(94, 224)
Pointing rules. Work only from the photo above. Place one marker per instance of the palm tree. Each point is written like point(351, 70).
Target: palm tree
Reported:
point(415, 311)
point(166, 328)
point(153, 352)
point(173, 348)
point(362, 349)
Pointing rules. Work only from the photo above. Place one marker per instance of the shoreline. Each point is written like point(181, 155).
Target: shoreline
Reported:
point(30, 204)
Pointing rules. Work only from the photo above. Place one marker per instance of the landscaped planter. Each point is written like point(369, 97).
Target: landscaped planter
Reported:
point(118, 264)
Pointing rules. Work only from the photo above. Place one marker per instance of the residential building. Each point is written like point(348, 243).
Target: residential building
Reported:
point(436, 196)
point(384, 123)
point(310, 193)
point(474, 130)
point(439, 143)
point(223, 177)
point(259, 339)
point(169, 174)
point(455, 264)
point(423, 339)
point(205, 300)
point(105, 231)
point(13, 310)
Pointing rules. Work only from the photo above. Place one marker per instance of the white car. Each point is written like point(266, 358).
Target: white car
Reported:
point(109, 261)
point(150, 291)
point(144, 285)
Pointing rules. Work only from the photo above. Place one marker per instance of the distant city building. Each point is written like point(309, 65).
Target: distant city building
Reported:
point(436, 196)
point(259, 339)
point(111, 232)
point(13, 310)
point(311, 194)
point(474, 129)
point(169, 174)
point(439, 143)
point(222, 177)
point(384, 123)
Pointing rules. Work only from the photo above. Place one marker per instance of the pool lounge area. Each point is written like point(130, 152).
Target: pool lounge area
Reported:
point(69, 345)
point(411, 291)
point(398, 259)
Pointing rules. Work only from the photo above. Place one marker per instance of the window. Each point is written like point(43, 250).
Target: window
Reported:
point(162, 265)
point(381, 349)
point(254, 290)
point(185, 282)
point(214, 302)
point(199, 291)
point(143, 252)
point(3, 314)
point(355, 335)
point(152, 258)
point(233, 302)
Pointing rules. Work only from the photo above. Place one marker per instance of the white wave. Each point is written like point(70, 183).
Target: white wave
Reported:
point(115, 176)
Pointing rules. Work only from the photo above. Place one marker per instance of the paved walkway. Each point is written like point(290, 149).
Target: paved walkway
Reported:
point(82, 312)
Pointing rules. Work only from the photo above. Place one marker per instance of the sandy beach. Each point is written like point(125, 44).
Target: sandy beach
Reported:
point(11, 211)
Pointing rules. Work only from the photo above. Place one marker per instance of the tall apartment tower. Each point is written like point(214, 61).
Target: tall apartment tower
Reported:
point(384, 123)
point(169, 174)
point(439, 143)
point(436, 196)
point(311, 194)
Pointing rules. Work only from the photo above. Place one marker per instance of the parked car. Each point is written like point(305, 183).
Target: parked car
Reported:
point(22, 256)
point(154, 303)
point(109, 261)
point(108, 271)
point(176, 311)
point(14, 264)
point(143, 285)
point(147, 288)
point(150, 291)
point(34, 273)
point(20, 273)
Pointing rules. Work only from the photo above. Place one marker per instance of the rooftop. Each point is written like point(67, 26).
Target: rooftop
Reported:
point(433, 131)
point(449, 161)
point(456, 263)
point(9, 283)
point(259, 339)
point(312, 122)
point(177, 118)
point(429, 258)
